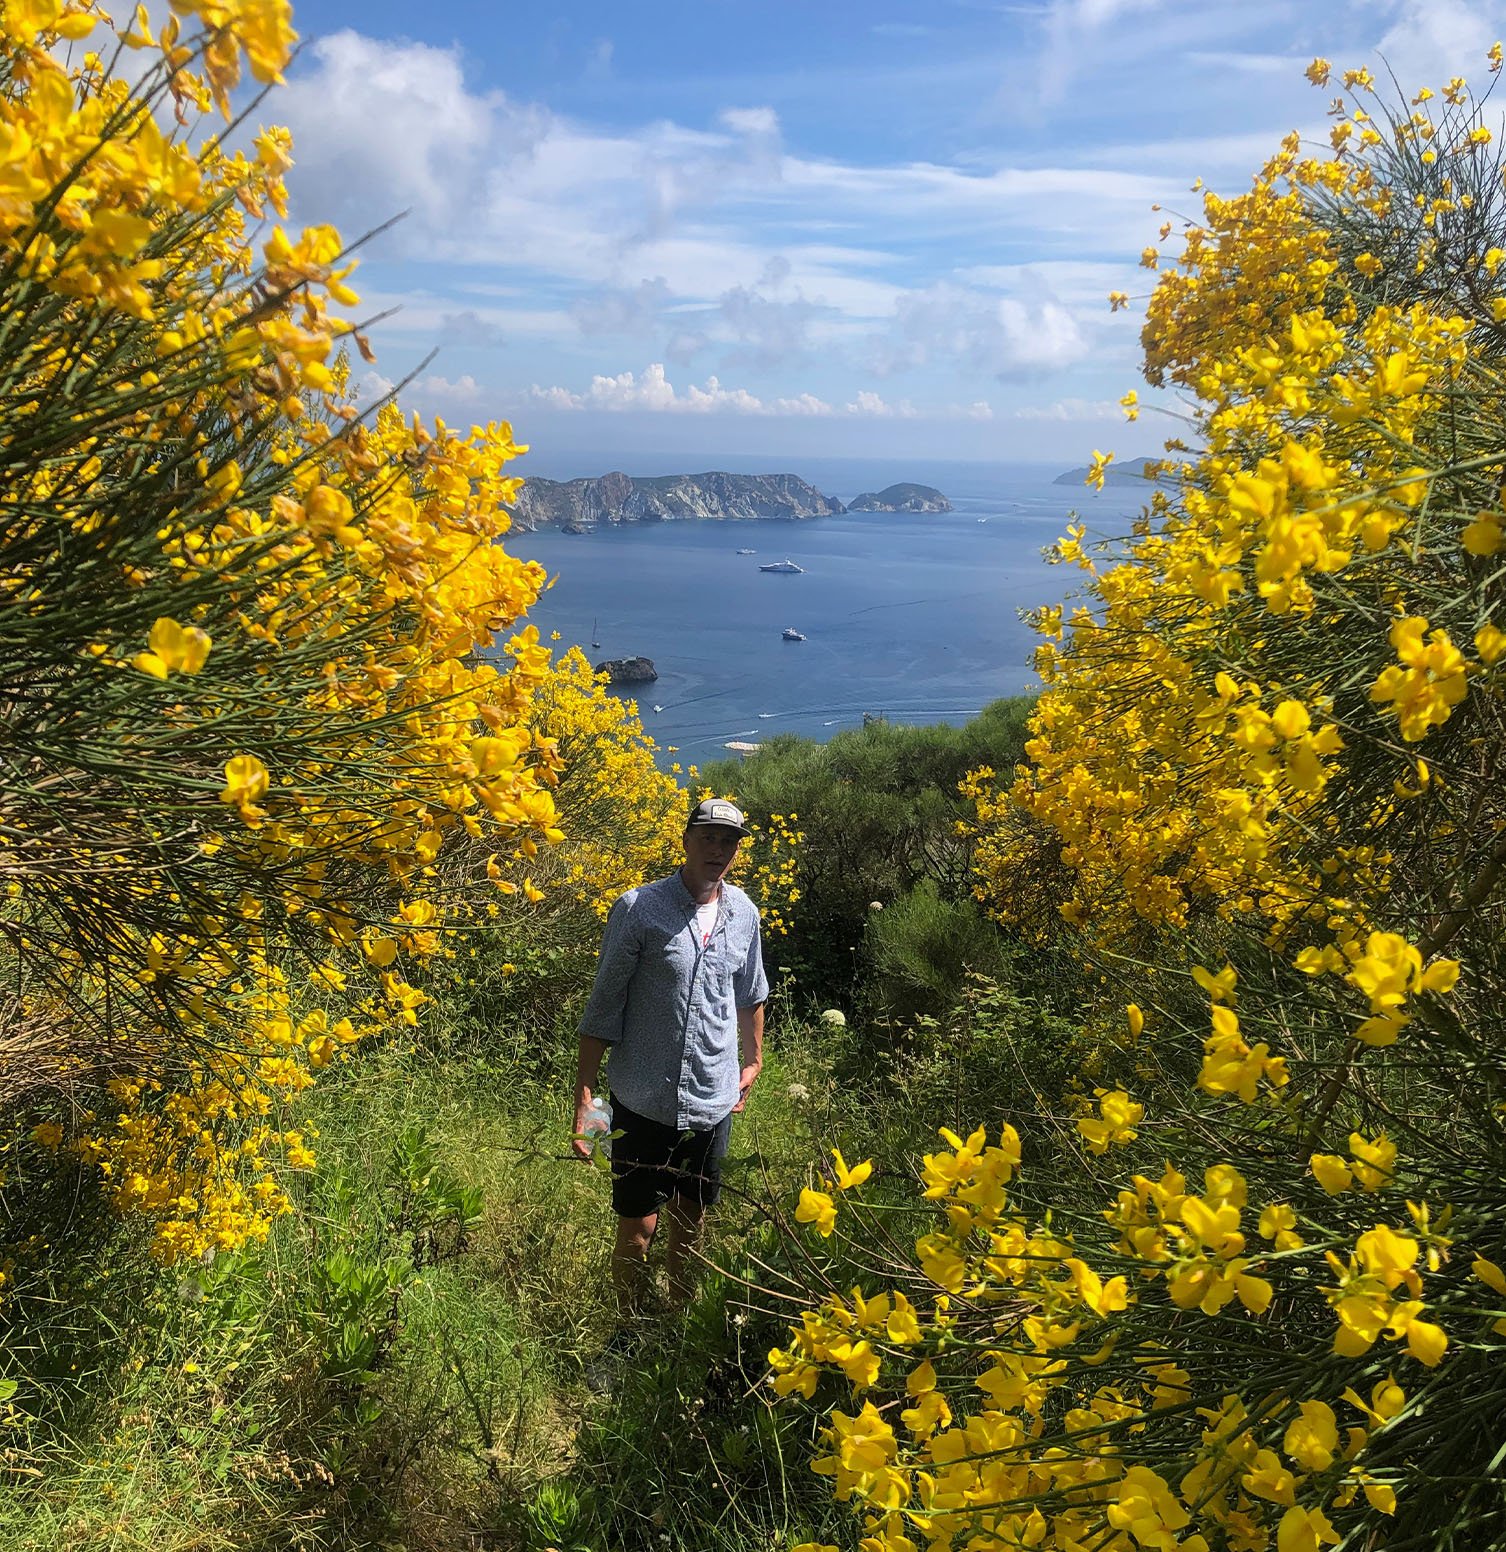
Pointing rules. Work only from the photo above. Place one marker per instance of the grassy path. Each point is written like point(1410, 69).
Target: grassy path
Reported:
point(367, 1379)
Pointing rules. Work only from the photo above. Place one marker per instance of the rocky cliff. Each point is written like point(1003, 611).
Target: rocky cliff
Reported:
point(901, 498)
point(618, 498)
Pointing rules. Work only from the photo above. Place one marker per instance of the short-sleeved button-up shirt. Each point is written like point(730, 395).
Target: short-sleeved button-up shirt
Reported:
point(667, 1003)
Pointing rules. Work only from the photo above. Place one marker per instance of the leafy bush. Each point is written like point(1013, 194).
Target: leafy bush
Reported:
point(879, 811)
point(918, 952)
point(242, 712)
point(1254, 1294)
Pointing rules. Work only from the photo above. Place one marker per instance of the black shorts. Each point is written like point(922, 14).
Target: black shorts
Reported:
point(652, 1162)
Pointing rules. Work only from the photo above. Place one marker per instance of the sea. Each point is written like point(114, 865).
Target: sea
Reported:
point(910, 617)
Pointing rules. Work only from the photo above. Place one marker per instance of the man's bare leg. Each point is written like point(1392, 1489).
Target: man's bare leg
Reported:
point(630, 1262)
point(686, 1221)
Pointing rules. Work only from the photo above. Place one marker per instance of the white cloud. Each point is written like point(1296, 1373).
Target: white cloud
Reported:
point(1430, 40)
point(871, 406)
point(1070, 410)
point(802, 404)
point(808, 276)
point(372, 387)
point(1068, 35)
point(385, 126)
point(754, 122)
point(556, 398)
point(652, 391)
point(432, 391)
point(463, 393)
point(1000, 335)
point(380, 127)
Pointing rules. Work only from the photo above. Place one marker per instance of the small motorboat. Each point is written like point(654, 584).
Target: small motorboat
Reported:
point(791, 634)
point(658, 708)
point(747, 552)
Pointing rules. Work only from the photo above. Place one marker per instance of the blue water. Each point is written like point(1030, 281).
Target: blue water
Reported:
point(910, 617)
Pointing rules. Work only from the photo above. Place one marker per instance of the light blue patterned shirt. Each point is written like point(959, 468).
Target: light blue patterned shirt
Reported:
point(667, 1004)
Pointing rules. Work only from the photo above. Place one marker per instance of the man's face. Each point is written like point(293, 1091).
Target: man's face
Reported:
point(709, 852)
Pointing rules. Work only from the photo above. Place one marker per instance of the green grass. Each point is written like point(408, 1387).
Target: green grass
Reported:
point(205, 1408)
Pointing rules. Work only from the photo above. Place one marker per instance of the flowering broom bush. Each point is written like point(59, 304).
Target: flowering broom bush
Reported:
point(1257, 1297)
point(240, 714)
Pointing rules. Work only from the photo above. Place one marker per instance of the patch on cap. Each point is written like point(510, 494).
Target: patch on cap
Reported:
point(718, 811)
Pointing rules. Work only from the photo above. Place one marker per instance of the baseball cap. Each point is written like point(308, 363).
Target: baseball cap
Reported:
point(718, 811)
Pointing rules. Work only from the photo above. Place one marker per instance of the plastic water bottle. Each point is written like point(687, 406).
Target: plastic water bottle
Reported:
point(597, 1124)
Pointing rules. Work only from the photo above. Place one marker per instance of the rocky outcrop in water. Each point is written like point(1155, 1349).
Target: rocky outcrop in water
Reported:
point(901, 498)
point(628, 670)
point(618, 498)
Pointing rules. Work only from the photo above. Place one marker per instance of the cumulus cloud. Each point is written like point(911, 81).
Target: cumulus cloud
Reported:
point(431, 392)
point(651, 390)
point(462, 393)
point(715, 246)
point(371, 388)
point(1004, 336)
point(870, 406)
point(384, 126)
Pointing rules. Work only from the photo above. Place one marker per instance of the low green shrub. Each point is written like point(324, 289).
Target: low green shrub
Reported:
point(880, 813)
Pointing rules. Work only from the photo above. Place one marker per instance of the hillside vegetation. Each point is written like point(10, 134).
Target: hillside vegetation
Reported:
point(1126, 1170)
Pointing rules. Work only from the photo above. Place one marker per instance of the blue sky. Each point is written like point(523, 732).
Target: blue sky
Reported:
point(872, 230)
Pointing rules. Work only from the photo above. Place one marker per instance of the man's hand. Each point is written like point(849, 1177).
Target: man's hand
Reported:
point(580, 1144)
point(745, 1082)
point(587, 1076)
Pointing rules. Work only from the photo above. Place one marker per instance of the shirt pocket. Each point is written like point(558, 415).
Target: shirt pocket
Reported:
point(717, 968)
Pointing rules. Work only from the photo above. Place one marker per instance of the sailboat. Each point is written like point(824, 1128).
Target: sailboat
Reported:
point(594, 641)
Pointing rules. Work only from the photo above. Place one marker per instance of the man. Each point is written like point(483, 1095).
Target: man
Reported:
point(678, 1001)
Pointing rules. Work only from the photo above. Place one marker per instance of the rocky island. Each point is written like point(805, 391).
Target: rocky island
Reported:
point(576, 505)
point(1129, 473)
point(579, 506)
point(628, 670)
point(901, 498)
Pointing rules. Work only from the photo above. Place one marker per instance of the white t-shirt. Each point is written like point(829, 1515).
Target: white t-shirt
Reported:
point(705, 920)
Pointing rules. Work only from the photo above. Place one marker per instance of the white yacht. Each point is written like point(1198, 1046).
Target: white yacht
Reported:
point(781, 565)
